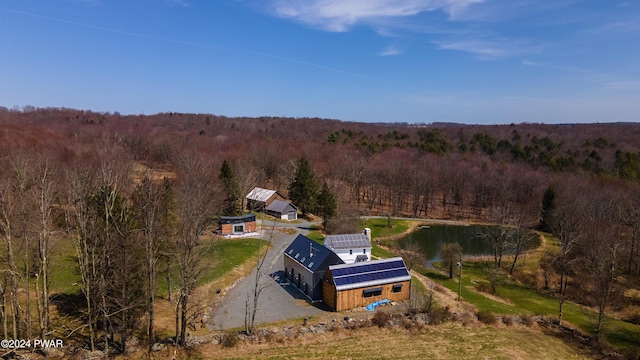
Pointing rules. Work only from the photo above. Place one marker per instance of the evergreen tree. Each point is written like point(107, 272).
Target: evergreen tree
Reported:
point(548, 208)
point(232, 204)
point(303, 191)
point(326, 204)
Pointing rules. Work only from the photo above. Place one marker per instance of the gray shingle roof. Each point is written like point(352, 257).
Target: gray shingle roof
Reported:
point(280, 206)
point(347, 241)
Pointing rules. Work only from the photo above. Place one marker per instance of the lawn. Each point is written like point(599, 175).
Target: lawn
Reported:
point(380, 229)
point(220, 257)
point(64, 275)
point(316, 236)
point(524, 300)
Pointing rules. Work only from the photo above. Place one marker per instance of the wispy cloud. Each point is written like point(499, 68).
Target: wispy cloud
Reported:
point(390, 51)
point(623, 86)
point(491, 49)
point(181, 3)
point(341, 15)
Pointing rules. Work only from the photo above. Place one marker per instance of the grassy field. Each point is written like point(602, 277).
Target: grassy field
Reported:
point(446, 341)
point(513, 298)
point(221, 256)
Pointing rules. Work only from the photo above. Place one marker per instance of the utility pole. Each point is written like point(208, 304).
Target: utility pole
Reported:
point(460, 277)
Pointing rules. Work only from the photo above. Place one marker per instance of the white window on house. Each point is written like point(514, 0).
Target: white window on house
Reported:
point(297, 255)
point(238, 228)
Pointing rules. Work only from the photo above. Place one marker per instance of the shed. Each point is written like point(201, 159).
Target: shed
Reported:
point(350, 247)
point(305, 263)
point(259, 198)
point(234, 225)
point(360, 284)
point(282, 209)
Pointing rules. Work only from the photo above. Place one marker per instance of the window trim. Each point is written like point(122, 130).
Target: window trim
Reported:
point(373, 292)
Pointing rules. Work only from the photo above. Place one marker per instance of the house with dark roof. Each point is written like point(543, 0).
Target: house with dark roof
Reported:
point(347, 286)
point(350, 247)
point(282, 209)
point(258, 199)
point(237, 225)
point(305, 263)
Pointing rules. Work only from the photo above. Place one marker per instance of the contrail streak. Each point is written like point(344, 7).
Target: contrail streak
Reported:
point(191, 43)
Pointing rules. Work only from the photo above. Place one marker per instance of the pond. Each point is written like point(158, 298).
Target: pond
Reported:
point(430, 238)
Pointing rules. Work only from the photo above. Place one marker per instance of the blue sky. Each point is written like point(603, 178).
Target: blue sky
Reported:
point(416, 61)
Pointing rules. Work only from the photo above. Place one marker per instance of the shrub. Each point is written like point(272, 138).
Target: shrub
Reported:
point(439, 315)
point(507, 320)
point(229, 339)
point(485, 287)
point(633, 318)
point(527, 320)
point(380, 318)
point(486, 317)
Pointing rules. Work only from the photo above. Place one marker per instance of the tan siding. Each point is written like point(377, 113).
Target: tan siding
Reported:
point(348, 299)
point(328, 291)
point(227, 229)
point(250, 226)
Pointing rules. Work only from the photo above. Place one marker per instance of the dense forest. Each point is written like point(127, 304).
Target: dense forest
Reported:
point(104, 179)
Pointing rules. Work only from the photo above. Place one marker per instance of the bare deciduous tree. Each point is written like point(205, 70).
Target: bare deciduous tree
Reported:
point(450, 253)
point(197, 201)
point(253, 293)
point(152, 202)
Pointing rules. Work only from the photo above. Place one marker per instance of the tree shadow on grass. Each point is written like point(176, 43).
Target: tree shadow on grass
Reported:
point(74, 305)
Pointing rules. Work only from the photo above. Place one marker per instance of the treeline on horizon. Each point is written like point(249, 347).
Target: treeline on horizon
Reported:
point(532, 175)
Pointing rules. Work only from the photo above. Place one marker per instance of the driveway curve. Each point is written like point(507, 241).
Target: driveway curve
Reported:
point(278, 300)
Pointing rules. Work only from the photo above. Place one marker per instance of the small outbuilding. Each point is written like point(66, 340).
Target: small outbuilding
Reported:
point(351, 248)
point(258, 199)
point(360, 284)
point(237, 225)
point(305, 263)
point(281, 209)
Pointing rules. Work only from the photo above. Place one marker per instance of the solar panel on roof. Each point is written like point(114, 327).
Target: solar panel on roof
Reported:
point(372, 272)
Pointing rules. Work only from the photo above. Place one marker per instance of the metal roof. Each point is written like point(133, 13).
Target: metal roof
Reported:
point(260, 194)
point(370, 273)
point(310, 254)
point(347, 241)
point(237, 219)
point(280, 206)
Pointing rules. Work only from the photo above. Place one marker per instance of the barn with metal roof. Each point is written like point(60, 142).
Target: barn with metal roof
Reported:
point(305, 263)
point(356, 285)
point(260, 198)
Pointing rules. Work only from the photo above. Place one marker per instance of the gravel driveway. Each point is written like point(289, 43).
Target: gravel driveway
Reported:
point(279, 300)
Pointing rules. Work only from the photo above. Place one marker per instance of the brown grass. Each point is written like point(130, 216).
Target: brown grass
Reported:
point(447, 341)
